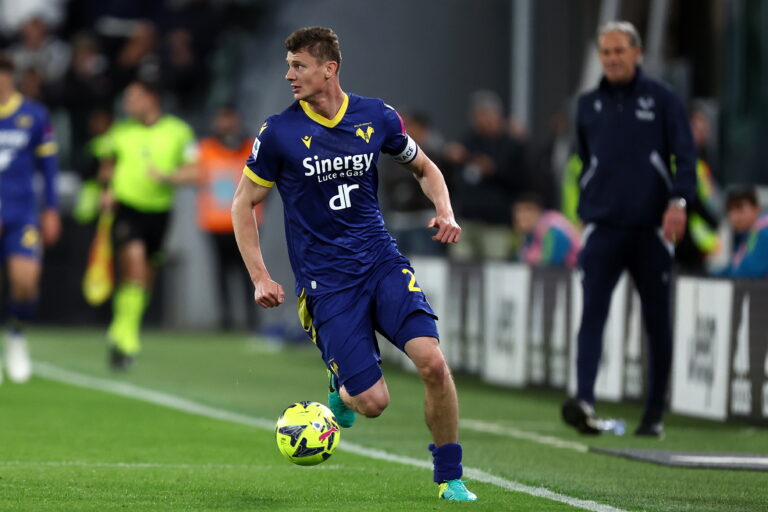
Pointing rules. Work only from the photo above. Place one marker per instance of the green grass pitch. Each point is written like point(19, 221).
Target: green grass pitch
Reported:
point(73, 447)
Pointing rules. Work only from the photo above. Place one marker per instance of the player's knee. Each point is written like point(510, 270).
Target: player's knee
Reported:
point(434, 368)
point(373, 408)
point(372, 404)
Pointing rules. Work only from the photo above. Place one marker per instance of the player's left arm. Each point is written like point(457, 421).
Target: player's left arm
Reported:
point(433, 185)
point(47, 164)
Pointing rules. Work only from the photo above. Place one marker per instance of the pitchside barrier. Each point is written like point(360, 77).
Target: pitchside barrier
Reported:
point(516, 326)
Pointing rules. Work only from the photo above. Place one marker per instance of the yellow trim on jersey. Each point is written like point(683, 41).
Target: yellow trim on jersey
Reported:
point(328, 123)
point(46, 149)
point(257, 179)
point(305, 317)
point(11, 106)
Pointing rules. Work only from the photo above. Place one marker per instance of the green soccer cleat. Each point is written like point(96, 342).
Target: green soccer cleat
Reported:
point(344, 415)
point(455, 490)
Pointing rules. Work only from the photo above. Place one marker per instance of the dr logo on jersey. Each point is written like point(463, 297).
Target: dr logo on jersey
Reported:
point(342, 200)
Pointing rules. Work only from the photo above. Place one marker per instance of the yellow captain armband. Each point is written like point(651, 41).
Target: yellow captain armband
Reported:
point(46, 149)
point(257, 179)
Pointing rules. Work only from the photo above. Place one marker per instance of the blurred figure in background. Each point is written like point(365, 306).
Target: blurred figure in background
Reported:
point(750, 259)
point(700, 240)
point(406, 209)
point(147, 155)
point(221, 167)
point(86, 86)
point(548, 238)
point(26, 146)
point(137, 59)
point(490, 170)
point(634, 210)
point(40, 51)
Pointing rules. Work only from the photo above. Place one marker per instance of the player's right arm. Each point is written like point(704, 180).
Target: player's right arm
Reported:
point(267, 293)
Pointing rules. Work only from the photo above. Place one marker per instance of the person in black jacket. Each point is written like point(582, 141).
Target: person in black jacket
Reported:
point(632, 132)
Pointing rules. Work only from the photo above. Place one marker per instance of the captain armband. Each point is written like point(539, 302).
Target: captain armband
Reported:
point(408, 153)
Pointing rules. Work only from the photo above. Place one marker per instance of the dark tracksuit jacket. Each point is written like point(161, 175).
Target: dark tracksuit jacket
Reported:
point(630, 138)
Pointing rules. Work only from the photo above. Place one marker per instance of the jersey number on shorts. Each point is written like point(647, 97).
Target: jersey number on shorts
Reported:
point(412, 284)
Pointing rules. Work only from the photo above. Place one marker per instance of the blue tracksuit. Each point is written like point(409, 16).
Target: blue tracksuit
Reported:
point(630, 138)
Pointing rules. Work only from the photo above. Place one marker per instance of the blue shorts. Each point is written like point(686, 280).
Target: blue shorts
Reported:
point(20, 238)
point(343, 324)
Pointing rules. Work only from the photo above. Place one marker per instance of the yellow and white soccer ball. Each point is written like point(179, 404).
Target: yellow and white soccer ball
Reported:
point(307, 433)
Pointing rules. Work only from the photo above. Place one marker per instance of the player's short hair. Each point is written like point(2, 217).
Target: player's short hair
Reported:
point(320, 42)
point(530, 198)
point(6, 63)
point(151, 87)
point(739, 194)
point(624, 27)
point(485, 99)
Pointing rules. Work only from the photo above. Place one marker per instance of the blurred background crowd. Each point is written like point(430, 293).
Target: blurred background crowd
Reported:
point(487, 90)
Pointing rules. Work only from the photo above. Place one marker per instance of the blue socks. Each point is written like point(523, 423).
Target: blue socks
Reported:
point(447, 462)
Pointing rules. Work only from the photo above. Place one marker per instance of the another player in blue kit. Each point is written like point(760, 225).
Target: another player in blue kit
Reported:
point(26, 147)
point(351, 280)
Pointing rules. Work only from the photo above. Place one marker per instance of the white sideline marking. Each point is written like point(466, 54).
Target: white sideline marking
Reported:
point(493, 428)
point(128, 390)
point(720, 459)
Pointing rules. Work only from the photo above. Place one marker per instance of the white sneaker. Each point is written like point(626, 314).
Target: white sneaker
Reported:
point(17, 361)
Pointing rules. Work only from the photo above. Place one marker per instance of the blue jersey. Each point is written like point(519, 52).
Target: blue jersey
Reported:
point(26, 146)
point(325, 171)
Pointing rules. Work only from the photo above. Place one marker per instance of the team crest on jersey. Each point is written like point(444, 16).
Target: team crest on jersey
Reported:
point(307, 140)
point(23, 121)
point(365, 135)
point(31, 238)
point(645, 112)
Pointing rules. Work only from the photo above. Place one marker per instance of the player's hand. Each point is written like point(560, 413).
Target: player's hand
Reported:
point(107, 202)
point(157, 176)
point(448, 231)
point(50, 226)
point(673, 224)
point(268, 294)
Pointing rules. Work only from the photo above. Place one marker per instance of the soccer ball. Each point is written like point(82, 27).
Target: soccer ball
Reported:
point(307, 433)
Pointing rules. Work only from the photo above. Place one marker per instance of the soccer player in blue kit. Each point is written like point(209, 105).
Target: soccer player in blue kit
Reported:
point(26, 146)
point(321, 152)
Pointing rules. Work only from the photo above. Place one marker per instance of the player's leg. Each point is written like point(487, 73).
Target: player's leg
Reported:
point(23, 250)
point(129, 303)
point(601, 262)
point(341, 326)
point(374, 398)
point(138, 238)
point(23, 280)
point(650, 266)
point(405, 317)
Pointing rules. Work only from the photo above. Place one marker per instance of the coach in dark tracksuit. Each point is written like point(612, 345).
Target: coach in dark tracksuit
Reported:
point(631, 132)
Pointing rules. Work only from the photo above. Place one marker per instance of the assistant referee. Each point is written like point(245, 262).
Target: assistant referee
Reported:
point(146, 155)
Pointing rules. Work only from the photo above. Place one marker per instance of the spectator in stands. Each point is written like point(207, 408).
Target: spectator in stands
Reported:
point(221, 158)
point(184, 72)
point(138, 58)
point(489, 171)
point(750, 258)
point(700, 240)
point(87, 86)
point(40, 51)
point(406, 209)
point(548, 238)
